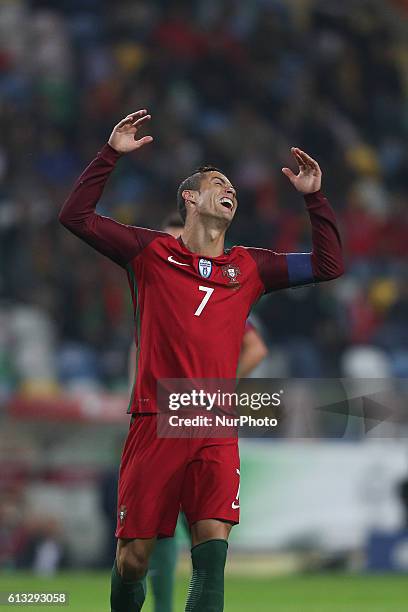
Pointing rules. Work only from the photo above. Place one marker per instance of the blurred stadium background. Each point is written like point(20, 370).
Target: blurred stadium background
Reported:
point(235, 83)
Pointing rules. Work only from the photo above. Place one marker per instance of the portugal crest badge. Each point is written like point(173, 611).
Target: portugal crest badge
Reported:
point(231, 272)
point(205, 267)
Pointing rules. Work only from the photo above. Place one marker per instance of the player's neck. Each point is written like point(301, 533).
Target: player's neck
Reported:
point(207, 241)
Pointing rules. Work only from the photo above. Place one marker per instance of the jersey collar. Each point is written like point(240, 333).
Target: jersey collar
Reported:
point(220, 258)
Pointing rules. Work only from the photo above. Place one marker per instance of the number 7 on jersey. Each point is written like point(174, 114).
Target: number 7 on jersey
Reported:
point(208, 292)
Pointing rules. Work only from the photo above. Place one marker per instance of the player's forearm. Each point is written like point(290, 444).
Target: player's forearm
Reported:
point(253, 351)
point(78, 211)
point(327, 256)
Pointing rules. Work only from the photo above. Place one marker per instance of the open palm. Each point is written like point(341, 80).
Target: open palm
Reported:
point(309, 177)
point(123, 138)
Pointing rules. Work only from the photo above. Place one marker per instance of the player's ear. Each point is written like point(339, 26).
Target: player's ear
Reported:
point(189, 195)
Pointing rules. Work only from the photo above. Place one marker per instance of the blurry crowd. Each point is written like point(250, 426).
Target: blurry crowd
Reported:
point(234, 83)
point(28, 540)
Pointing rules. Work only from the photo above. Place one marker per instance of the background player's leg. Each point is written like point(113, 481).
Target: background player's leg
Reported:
point(162, 569)
point(208, 555)
point(128, 574)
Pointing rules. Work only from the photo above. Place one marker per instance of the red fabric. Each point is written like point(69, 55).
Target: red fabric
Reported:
point(160, 475)
point(327, 258)
point(174, 341)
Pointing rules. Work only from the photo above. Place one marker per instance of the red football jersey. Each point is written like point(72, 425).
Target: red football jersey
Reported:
point(190, 311)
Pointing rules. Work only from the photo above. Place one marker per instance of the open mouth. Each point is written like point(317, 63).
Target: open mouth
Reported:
point(227, 203)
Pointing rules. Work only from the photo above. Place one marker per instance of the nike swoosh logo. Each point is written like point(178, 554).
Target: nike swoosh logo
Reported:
point(234, 506)
point(170, 258)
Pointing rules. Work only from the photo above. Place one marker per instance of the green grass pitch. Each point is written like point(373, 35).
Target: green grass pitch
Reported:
point(89, 592)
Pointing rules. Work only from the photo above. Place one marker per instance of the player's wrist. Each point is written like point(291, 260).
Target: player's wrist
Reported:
point(317, 197)
point(109, 153)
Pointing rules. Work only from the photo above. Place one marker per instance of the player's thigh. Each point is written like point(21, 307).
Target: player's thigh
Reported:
point(211, 484)
point(209, 529)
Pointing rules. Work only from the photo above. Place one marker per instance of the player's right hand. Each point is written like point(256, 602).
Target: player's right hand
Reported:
point(123, 138)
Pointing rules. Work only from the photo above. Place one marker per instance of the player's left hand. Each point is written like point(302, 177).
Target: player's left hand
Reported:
point(309, 178)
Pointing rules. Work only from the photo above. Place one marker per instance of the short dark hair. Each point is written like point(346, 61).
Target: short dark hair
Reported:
point(191, 183)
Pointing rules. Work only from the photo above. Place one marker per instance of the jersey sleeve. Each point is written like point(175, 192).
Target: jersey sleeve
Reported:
point(325, 262)
point(119, 242)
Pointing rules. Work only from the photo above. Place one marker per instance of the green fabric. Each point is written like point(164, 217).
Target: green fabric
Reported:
point(183, 520)
point(206, 591)
point(126, 596)
point(162, 568)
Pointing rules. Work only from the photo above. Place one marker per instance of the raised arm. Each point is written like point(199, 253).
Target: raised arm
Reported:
point(325, 262)
point(253, 351)
point(117, 241)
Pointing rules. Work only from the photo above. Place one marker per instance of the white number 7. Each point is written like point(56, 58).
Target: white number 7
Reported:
point(208, 292)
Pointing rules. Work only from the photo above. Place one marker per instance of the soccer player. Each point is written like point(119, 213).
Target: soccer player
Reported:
point(162, 565)
point(191, 298)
